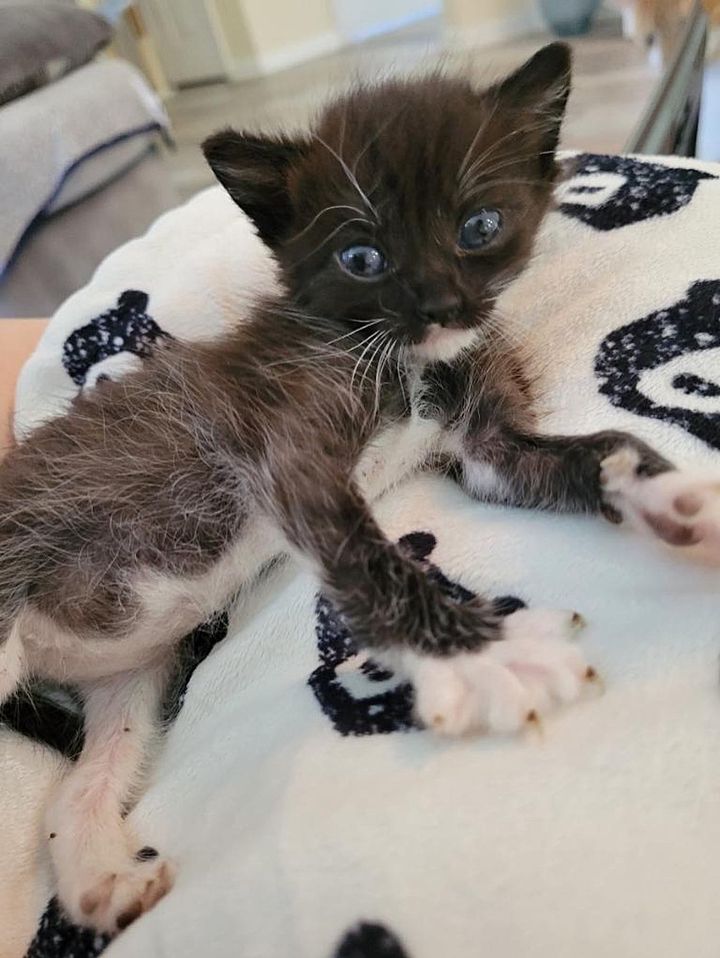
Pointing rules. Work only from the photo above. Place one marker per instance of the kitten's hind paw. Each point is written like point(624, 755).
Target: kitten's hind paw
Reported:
point(110, 901)
point(681, 507)
point(530, 672)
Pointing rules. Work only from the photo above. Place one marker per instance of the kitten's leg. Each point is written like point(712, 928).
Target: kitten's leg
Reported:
point(105, 877)
point(561, 473)
point(472, 668)
point(680, 506)
point(612, 473)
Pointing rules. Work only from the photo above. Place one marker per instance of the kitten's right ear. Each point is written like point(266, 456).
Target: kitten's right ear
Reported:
point(543, 81)
point(540, 89)
point(254, 171)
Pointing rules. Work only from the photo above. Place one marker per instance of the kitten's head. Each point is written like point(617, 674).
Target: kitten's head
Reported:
point(411, 204)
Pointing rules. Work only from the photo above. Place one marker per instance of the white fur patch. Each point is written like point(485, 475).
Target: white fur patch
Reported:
point(442, 345)
point(395, 452)
point(481, 478)
point(171, 606)
point(11, 663)
point(529, 673)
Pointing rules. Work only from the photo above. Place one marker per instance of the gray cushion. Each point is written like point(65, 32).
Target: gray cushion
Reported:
point(41, 41)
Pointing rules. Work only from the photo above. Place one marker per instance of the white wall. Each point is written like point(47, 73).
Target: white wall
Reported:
point(263, 36)
point(358, 20)
point(493, 20)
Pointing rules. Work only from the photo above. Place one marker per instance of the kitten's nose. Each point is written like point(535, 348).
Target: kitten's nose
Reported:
point(442, 308)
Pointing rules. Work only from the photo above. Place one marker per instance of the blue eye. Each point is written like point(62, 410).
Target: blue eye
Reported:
point(480, 229)
point(365, 262)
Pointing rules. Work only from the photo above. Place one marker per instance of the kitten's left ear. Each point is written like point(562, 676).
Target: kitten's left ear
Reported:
point(540, 89)
point(254, 170)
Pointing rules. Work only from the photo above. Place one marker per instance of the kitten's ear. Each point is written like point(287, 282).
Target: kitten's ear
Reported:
point(254, 171)
point(540, 88)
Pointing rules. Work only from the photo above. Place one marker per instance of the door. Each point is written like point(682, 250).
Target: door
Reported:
point(183, 34)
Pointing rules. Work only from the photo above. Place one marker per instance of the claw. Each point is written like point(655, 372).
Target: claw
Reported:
point(593, 678)
point(533, 722)
point(578, 622)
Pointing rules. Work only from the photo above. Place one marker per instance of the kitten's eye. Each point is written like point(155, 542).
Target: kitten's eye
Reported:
point(479, 229)
point(366, 262)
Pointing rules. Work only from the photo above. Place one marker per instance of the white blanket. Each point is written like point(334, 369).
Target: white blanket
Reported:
point(307, 816)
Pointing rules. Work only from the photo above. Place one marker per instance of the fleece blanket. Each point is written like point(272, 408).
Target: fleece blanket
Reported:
point(307, 813)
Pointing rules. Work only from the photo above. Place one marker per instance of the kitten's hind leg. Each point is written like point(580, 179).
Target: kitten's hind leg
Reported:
point(105, 877)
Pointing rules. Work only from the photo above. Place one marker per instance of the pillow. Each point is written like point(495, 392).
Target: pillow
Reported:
point(41, 41)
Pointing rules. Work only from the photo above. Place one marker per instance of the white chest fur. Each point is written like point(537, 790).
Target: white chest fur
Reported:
point(395, 452)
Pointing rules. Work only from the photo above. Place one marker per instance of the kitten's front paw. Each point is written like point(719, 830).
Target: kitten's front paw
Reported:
point(532, 670)
point(679, 506)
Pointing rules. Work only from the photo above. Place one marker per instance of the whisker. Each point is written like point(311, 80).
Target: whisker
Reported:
point(480, 130)
point(384, 360)
point(373, 139)
point(372, 340)
point(352, 179)
point(328, 209)
point(470, 172)
point(353, 219)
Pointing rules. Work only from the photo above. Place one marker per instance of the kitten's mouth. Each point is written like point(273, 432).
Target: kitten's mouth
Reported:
point(440, 344)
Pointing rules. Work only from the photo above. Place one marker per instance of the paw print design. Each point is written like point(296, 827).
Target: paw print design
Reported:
point(58, 937)
point(665, 366)
point(362, 697)
point(609, 192)
point(113, 342)
point(370, 940)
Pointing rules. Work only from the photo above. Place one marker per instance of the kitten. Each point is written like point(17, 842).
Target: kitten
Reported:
point(396, 222)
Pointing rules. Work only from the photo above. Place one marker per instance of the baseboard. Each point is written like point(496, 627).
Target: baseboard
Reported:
point(243, 68)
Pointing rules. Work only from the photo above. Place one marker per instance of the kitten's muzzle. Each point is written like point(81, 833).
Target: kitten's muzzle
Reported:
point(443, 308)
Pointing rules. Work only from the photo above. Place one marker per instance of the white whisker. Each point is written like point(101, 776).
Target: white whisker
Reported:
point(352, 179)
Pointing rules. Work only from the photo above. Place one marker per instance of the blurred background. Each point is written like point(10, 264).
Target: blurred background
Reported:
point(103, 104)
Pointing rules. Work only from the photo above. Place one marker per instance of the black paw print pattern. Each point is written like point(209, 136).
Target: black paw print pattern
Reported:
point(369, 940)
point(125, 328)
point(57, 937)
point(684, 329)
point(370, 700)
point(646, 190)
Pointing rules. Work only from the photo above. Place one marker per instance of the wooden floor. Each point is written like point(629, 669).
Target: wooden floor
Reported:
point(612, 84)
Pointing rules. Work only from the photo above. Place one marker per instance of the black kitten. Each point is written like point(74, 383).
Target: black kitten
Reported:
point(396, 221)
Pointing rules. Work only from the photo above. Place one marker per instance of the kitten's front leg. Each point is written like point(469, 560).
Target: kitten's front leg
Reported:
point(528, 671)
point(680, 506)
point(609, 472)
point(472, 668)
